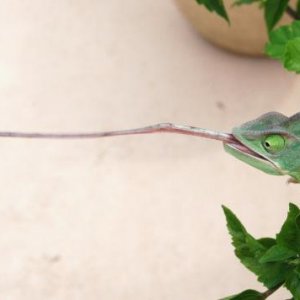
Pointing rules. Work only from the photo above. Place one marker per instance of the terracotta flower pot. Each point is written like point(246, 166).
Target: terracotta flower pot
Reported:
point(246, 33)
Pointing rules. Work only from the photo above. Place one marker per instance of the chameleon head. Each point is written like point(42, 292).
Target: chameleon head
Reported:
point(270, 143)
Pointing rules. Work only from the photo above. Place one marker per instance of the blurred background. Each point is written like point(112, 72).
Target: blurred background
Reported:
point(134, 217)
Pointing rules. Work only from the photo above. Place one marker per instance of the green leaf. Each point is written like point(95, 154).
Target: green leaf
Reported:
point(293, 283)
point(273, 273)
point(274, 10)
point(250, 251)
point(284, 45)
point(298, 8)
point(277, 254)
point(278, 39)
point(216, 6)
point(242, 2)
point(289, 235)
point(246, 295)
point(267, 242)
point(292, 57)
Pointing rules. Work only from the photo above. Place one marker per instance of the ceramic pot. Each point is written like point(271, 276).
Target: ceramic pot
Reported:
point(246, 33)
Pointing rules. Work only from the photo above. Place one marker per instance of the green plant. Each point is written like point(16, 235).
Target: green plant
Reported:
point(284, 41)
point(275, 261)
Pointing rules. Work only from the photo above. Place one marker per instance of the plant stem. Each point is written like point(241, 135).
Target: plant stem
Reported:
point(292, 13)
point(269, 292)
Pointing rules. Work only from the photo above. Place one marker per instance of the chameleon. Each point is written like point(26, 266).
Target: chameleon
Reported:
point(270, 143)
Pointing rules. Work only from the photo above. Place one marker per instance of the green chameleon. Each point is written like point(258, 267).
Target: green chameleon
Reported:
point(270, 143)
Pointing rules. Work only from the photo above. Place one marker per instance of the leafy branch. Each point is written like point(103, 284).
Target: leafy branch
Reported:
point(284, 41)
point(275, 261)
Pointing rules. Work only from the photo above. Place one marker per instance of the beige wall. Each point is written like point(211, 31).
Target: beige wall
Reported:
point(129, 217)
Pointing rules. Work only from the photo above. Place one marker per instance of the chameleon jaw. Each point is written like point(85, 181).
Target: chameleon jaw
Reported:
point(237, 145)
point(250, 157)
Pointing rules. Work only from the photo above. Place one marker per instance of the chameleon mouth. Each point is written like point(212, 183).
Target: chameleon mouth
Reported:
point(237, 145)
point(242, 152)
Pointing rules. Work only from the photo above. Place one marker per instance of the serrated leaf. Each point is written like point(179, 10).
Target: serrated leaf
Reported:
point(284, 45)
point(249, 251)
point(274, 10)
point(277, 254)
point(246, 295)
point(289, 235)
point(293, 284)
point(216, 6)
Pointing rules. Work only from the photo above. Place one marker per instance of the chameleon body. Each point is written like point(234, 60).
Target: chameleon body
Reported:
point(270, 143)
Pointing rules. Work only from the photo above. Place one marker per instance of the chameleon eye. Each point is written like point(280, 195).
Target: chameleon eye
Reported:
point(274, 143)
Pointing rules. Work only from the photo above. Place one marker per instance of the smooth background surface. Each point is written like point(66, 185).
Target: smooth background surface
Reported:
point(127, 217)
